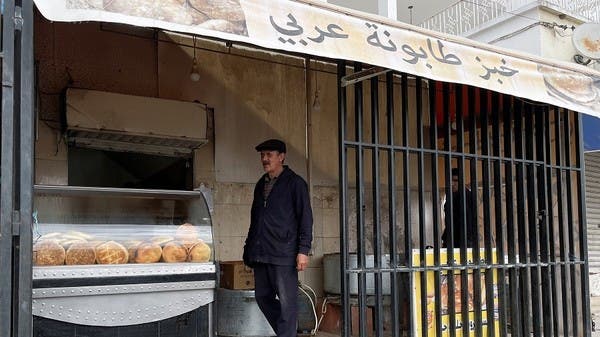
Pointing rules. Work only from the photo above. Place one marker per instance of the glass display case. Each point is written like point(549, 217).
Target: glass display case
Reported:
point(99, 250)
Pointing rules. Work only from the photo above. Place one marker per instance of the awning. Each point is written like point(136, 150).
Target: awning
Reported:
point(317, 28)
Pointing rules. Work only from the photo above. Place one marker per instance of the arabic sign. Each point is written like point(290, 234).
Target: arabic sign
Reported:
point(309, 29)
point(442, 302)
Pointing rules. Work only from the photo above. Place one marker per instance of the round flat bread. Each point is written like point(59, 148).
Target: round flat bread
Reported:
point(48, 253)
point(80, 253)
point(76, 235)
point(174, 252)
point(111, 252)
point(162, 240)
point(569, 85)
point(68, 242)
point(200, 252)
point(53, 235)
point(94, 243)
point(187, 234)
point(132, 246)
point(148, 252)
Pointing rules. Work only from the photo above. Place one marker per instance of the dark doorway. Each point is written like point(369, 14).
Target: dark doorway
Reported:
point(90, 167)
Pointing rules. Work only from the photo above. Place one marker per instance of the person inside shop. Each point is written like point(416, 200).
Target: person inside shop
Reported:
point(456, 216)
point(279, 238)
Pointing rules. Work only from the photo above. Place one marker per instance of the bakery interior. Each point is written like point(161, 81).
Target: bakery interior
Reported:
point(144, 171)
point(145, 168)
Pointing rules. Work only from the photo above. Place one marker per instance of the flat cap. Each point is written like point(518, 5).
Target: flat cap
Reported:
point(271, 145)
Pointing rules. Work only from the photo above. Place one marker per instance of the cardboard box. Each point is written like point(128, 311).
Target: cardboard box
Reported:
point(235, 275)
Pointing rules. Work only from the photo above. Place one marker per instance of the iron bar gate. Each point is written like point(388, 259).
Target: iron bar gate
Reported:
point(16, 168)
point(462, 211)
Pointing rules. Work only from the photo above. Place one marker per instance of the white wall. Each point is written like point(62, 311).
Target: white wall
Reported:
point(518, 32)
point(422, 9)
point(522, 31)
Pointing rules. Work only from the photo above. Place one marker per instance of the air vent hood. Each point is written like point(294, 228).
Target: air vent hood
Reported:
point(124, 123)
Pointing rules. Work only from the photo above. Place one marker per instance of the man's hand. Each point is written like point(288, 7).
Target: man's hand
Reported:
point(301, 262)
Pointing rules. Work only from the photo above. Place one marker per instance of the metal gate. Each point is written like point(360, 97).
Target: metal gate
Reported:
point(513, 259)
point(16, 168)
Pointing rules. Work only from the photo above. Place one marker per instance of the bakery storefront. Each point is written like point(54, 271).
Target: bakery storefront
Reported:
point(128, 167)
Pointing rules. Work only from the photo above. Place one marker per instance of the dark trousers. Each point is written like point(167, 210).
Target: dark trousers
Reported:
point(281, 312)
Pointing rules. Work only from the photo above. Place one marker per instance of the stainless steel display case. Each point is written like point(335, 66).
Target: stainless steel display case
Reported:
point(120, 294)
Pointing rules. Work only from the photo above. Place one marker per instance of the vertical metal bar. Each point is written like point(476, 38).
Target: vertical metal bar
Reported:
point(7, 170)
point(407, 194)
point(23, 304)
point(343, 191)
point(585, 282)
point(500, 229)
point(572, 257)
point(490, 258)
point(475, 187)
point(532, 214)
point(463, 230)
point(378, 309)
point(513, 273)
point(394, 280)
point(542, 142)
point(449, 223)
point(421, 196)
point(565, 279)
point(360, 206)
point(435, 217)
point(521, 219)
point(551, 228)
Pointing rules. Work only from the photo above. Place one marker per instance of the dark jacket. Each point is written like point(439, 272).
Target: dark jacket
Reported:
point(281, 225)
point(458, 218)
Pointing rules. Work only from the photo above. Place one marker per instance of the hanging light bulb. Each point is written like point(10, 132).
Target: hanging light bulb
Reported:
point(316, 106)
point(194, 74)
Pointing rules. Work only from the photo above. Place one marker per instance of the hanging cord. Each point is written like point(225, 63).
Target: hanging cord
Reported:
point(302, 287)
point(324, 309)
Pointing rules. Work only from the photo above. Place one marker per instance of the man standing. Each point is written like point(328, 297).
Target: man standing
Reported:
point(279, 238)
point(460, 212)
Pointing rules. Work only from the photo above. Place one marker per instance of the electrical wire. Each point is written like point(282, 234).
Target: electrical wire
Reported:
point(324, 308)
point(546, 24)
point(301, 286)
point(507, 12)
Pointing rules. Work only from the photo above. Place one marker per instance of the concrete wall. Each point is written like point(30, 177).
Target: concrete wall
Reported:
point(502, 32)
point(522, 31)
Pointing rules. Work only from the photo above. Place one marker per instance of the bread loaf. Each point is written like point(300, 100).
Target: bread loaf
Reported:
point(132, 246)
point(148, 252)
point(80, 253)
point(174, 252)
point(76, 235)
point(66, 243)
point(111, 252)
point(51, 236)
point(48, 253)
point(95, 243)
point(200, 252)
point(187, 235)
point(161, 240)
